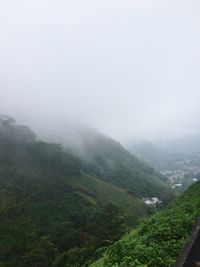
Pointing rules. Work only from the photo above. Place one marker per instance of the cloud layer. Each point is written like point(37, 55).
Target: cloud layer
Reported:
point(127, 68)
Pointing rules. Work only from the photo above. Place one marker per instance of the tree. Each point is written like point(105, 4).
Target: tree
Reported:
point(108, 224)
point(37, 257)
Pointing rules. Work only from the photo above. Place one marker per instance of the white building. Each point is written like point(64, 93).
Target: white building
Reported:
point(151, 201)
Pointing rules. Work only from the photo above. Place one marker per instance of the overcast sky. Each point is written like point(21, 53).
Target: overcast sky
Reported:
point(127, 68)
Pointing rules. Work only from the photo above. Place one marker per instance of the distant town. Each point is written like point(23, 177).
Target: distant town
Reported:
point(183, 173)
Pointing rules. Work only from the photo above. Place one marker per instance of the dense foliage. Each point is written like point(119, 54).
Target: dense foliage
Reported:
point(41, 215)
point(107, 159)
point(54, 211)
point(157, 241)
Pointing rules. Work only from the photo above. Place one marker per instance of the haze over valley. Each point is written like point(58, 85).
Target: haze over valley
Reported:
point(99, 133)
point(127, 70)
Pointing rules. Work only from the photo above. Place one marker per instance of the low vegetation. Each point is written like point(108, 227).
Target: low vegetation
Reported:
point(157, 241)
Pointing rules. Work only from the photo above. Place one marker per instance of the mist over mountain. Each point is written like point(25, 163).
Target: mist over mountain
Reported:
point(99, 129)
point(188, 144)
point(124, 69)
point(150, 153)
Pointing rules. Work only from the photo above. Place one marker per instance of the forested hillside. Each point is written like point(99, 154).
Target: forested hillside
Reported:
point(157, 241)
point(104, 157)
point(57, 209)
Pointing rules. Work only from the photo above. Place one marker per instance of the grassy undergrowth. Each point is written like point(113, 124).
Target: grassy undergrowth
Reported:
point(157, 241)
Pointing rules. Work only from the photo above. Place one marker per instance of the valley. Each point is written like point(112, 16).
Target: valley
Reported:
point(99, 133)
point(92, 204)
point(181, 165)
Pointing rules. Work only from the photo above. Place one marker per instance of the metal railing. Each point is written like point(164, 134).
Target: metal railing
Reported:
point(190, 256)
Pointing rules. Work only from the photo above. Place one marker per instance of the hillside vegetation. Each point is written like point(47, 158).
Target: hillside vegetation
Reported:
point(111, 162)
point(57, 209)
point(157, 241)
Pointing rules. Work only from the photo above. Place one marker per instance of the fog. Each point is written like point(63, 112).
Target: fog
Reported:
point(126, 68)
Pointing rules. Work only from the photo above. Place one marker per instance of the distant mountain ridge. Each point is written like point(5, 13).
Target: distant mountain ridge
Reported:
point(150, 153)
point(186, 144)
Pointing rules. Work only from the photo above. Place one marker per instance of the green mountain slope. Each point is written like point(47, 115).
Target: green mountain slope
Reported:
point(35, 197)
point(49, 204)
point(97, 192)
point(55, 205)
point(108, 160)
point(157, 241)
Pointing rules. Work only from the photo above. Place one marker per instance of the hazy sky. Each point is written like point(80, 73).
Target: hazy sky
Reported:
point(127, 68)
